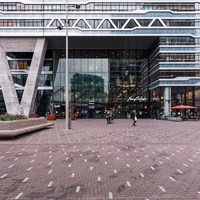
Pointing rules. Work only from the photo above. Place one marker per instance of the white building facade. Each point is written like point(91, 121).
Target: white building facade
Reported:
point(118, 51)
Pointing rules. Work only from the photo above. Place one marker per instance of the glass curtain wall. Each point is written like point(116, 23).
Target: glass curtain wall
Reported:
point(98, 80)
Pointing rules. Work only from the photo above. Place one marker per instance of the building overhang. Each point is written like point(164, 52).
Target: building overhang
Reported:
point(102, 42)
point(176, 82)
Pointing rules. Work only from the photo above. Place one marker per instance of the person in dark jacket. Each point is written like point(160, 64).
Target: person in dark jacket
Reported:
point(134, 117)
point(108, 117)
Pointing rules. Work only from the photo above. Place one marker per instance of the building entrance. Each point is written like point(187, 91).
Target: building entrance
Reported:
point(106, 81)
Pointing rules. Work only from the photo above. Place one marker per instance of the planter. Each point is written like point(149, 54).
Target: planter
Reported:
point(10, 129)
point(34, 116)
point(72, 117)
point(51, 117)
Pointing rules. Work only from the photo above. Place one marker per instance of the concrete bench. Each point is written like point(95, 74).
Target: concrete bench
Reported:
point(175, 119)
point(10, 129)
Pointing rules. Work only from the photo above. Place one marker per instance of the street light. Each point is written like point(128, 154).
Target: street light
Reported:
point(67, 108)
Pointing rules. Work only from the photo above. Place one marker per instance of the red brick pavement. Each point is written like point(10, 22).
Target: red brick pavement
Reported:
point(156, 160)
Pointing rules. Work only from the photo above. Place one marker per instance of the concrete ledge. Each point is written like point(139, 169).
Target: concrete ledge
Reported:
point(10, 129)
point(176, 119)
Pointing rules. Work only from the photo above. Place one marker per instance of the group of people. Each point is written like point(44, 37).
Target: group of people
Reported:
point(110, 117)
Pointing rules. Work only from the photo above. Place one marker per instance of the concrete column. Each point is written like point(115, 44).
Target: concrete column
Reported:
point(7, 85)
point(167, 101)
point(30, 90)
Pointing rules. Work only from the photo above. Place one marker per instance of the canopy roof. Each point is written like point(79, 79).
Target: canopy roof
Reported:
point(182, 107)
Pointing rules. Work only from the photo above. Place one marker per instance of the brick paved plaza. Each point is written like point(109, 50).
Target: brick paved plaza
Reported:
point(154, 160)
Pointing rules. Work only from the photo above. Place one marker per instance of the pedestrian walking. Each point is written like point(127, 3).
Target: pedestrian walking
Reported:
point(108, 116)
point(134, 117)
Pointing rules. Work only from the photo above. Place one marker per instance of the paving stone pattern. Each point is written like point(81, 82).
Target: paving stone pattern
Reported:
point(154, 160)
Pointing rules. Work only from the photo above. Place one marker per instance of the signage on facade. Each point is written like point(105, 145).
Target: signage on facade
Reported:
point(138, 98)
point(56, 106)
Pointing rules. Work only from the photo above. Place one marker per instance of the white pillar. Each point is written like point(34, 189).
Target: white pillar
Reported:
point(7, 85)
point(36, 45)
point(30, 90)
point(167, 101)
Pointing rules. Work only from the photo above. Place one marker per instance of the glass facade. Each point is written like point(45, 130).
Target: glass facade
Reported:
point(100, 6)
point(98, 80)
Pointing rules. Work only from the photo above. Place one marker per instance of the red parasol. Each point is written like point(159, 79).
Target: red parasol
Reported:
point(182, 107)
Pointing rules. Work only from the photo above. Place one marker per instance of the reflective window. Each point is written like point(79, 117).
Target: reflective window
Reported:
point(144, 22)
point(106, 24)
point(100, 6)
point(19, 80)
point(156, 23)
point(181, 22)
point(131, 24)
point(98, 79)
point(81, 24)
point(119, 22)
point(94, 22)
point(46, 80)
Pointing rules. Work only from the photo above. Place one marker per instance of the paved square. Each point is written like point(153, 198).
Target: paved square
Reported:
point(155, 160)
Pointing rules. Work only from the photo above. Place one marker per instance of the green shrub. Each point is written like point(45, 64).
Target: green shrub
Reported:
point(8, 117)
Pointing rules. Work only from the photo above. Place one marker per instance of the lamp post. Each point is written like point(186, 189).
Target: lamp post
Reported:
point(67, 90)
point(67, 93)
point(67, 109)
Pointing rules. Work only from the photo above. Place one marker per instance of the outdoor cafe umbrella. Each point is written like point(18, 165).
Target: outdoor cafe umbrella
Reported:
point(182, 107)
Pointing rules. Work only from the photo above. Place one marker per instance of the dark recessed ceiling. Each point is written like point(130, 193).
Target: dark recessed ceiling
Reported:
point(110, 42)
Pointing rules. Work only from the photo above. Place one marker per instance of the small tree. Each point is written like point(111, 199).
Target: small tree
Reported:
point(50, 109)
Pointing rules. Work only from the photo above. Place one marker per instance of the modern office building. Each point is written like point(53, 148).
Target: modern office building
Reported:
point(123, 55)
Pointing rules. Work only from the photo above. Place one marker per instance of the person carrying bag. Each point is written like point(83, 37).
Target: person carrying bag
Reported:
point(134, 117)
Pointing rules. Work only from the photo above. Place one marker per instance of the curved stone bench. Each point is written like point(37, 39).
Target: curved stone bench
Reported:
point(10, 129)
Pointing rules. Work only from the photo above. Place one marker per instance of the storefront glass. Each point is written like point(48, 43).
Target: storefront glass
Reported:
point(98, 80)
